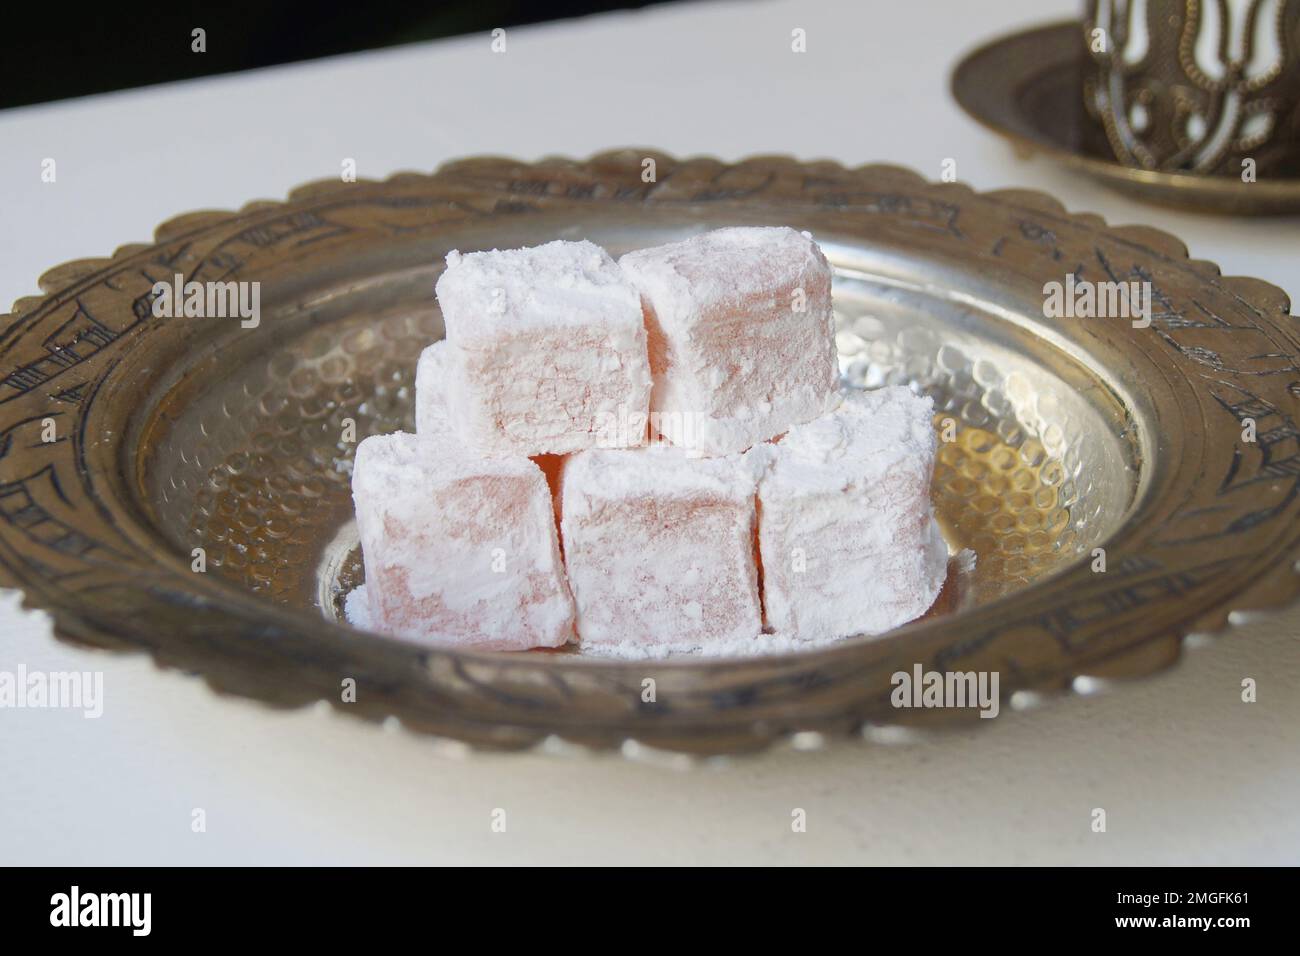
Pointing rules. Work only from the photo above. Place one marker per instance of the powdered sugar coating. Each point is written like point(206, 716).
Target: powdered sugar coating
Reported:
point(431, 419)
point(741, 335)
point(660, 549)
point(546, 351)
point(459, 550)
point(847, 533)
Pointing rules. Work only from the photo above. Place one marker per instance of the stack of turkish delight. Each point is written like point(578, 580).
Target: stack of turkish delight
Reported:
point(654, 454)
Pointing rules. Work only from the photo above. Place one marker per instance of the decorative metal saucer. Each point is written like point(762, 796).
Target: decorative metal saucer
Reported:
point(1028, 88)
point(1075, 439)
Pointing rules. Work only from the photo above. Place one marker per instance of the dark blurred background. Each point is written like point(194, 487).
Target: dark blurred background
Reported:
point(82, 49)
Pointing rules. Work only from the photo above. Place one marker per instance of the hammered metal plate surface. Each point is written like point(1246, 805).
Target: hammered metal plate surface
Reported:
point(1068, 436)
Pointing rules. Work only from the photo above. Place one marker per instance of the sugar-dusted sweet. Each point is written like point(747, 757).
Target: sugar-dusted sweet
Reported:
point(660, 549)
point(431, 418)
point(741, 335)
point(847, 535)
point(433, 424)
point(458, 549)
point(546, 351)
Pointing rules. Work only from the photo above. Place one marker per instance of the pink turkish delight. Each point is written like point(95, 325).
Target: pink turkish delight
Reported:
point(847, 535)
point(741, 335)
point(546, 351)
point(458, 549)
point(660, 549)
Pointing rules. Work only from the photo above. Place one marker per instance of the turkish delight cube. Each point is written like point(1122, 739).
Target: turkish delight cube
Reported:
point(459, 550)
point(741, 335)
point(660, 549)
point(847, 536)
point(433, 424)
point(546, 351)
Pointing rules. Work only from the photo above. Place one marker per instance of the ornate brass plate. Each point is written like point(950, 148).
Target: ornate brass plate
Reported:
point(1028, 87)
point(1071, 435)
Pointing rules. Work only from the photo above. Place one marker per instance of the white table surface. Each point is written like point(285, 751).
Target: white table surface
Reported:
point(1184, 769)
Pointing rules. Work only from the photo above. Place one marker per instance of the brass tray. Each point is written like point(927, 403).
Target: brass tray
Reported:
point(1028, 86)
point(172, 434)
